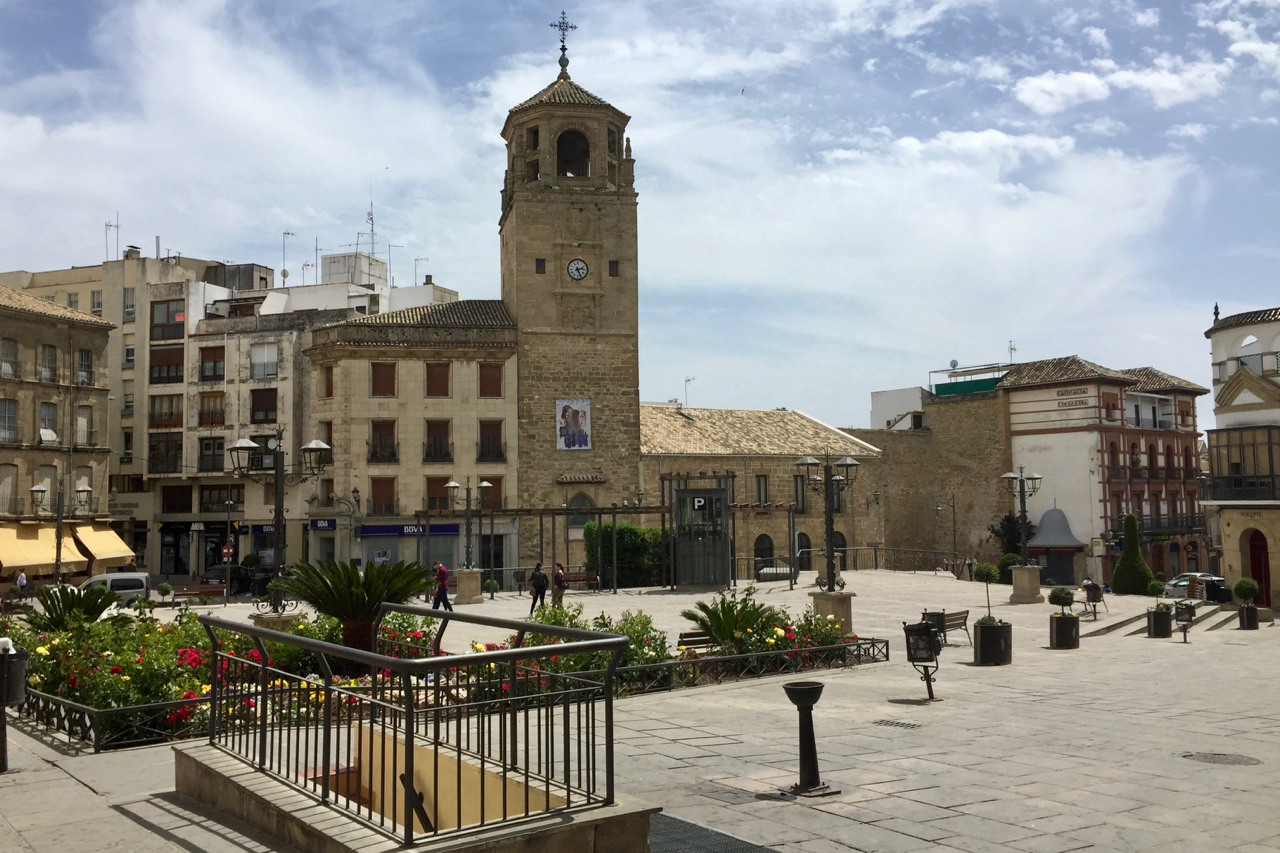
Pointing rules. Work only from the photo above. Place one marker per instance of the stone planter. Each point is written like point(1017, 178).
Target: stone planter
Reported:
point(993, 645)
point(1248, 617)
point(1159, 623)
point(1064, 632)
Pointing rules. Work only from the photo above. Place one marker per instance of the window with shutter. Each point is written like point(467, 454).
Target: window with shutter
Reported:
point(492, 496)
point(383, 496)
point(491, 380)
point(382, 379)
point(437, 380)
point(438, 493)
point(262, 406)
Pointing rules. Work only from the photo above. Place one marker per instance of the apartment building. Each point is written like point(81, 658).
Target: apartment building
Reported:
point(54, 412)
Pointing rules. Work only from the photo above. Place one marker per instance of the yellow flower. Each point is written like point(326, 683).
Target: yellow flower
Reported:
point(769, 641)
point(42, 650)
point(831, 618)
point(477, 646)
point(34, 680)
point(124, 678)
point(779, 632)
point(54, 641)
point(107, 654)
point(679, 648)
point(205, 688)
point(748, 630)
point(737, 635)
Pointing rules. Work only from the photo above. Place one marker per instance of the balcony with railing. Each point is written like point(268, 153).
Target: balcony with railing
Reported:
point(48, 372)
point(263, 369)
point(1137, 473)
point(83, 437)
point(85, 506)
point(213, 418)
point(212, 371)
point(1155, 474)
point(1117, 473)
point(1243, 487)
point(491, 451)
point(85, 376)
point(384, 508)
point(10, 505)
point(10, 369)
point(10, 434)
point(383, 450)
point(164, 464)
point(165, 420)
point(127, 409)
point(437, 452)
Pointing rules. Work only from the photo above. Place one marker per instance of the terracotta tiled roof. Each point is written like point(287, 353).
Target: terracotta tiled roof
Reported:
point(1266, 315)
point(1150, 379)
point(1072, 368)
point(563, 91)
point(16, 300)
point(673, 431)
point(466, 313)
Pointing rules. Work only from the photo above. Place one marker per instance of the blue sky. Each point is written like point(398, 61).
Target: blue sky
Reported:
point(836, 196)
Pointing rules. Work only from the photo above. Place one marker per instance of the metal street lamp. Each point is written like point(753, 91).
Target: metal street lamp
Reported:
point(923, 647)
point(951, 503)
point(829, 485)
point(453, 487)
point(242, 453)
point(1023, 486)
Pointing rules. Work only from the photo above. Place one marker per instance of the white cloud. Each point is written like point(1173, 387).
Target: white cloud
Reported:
point(869, 65)
point(1147, 17)
point(1188, 131)
point(1103, 126)
point(1056, 91)
point(1171, 80)
point(1098, 37)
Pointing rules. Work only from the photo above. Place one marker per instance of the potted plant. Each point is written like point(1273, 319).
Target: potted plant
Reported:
point(1132, 575)
point(1245, 589)
point(1064, 626)
point(1160, 617)
point(992, 637)
point(165, 589)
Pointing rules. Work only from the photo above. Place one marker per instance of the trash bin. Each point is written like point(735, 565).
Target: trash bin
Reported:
point(260, 581)
point(16, 685)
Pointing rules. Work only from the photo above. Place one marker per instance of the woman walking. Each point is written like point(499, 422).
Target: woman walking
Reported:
point(558, 585)
point(537, 588)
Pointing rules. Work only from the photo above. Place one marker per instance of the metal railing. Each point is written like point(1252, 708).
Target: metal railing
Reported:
point(48, 372)
point(890, 559)
point(10, 505)
point(85, 376)
point(10, 369)
point(212, 371)
point(422, 745)
point(384, 509)
point(85, 437)
point(491, 451)
point(437, 451)
point(213, 417)
point(1253, 362)
point(164, 464)
point(1117, 473)
point(1243, 487)
point(114, 728)
point(382, 450)
point(10, 434)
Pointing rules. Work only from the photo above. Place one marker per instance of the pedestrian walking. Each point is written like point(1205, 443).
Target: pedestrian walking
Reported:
point(22, 586)
point(558, 585)
point(537, 588)
point(442, 588)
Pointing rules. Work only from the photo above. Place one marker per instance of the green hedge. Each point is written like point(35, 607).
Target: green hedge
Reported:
point(642, 553)
point(1132, 575)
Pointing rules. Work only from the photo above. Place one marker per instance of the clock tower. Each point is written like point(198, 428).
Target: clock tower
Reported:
point(569, 278)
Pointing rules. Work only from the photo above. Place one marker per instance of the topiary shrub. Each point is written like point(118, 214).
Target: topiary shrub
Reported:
point(1245, 589)
point(165, 589)
point(1062, 597)
point(1155, 588)
point(1132, 575)
point(1005, 566)
point(985, 573)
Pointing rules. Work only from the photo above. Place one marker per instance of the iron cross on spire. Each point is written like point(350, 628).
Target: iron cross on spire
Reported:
point(564, 27)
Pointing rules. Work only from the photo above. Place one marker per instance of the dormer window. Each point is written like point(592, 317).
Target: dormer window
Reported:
point(573, 155)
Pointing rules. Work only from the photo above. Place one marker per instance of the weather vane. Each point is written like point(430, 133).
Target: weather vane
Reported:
point(563, 26)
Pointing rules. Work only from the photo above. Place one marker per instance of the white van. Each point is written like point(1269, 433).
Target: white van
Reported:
point(128, 586)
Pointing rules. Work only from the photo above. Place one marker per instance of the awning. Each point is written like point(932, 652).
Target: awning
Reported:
point(103, 545)
point(33, 548)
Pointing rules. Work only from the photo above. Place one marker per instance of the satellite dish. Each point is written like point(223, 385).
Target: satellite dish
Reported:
point(954, 363)
point(284, 273)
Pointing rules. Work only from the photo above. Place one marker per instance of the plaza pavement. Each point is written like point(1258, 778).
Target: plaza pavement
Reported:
point(1061, 751)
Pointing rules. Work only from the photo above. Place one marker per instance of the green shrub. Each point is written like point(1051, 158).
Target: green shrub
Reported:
point(165, 589)
point(64, 608)
point(352, 594)
point(251, 561)
point(1005, 565)
point(648, 644)
point(1132, 575)
point(985, 573)
point(730, 621)
point(491, 585)
point(1062, 597)
point(1245, 589)
point(642, 553)
point(1155, 588)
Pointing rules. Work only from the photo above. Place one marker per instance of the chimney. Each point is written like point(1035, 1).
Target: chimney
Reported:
point(157, 247)
point(132, 253)
point(426, 280)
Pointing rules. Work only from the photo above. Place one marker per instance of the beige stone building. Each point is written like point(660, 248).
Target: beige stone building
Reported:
point(1242, 495)
point(54, 411)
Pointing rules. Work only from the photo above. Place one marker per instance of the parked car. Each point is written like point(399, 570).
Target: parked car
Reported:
point(1177, 588)
point(128, 586)
point(239, 577)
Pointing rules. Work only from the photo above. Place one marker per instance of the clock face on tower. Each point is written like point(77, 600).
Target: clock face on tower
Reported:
point(577, 269)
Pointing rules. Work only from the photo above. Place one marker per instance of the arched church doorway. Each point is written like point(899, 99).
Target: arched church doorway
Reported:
point(764, 551)
point(804, 552)
point(1259, 563)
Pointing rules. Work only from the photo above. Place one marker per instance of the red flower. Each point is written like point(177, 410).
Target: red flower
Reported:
point(417, 635)
point(139, 660)
point(115, 670)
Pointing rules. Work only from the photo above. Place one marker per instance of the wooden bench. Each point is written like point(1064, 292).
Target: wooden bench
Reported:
point(200, 590)
point(956, 620)
point(579, 580)
point(774, 573)
point(694, 641)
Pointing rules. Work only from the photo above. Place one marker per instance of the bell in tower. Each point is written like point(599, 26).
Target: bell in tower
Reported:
point(570, 280)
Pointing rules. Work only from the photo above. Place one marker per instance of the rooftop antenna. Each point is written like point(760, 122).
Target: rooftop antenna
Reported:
point(106, 245)
point(415, 269)
point(373, 232)
point(687, 380)
point(1012, 349)
point(284, 266)
point(390, 278)
point(318, 276)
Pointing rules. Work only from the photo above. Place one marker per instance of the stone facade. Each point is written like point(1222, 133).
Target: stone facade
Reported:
point(569, 202)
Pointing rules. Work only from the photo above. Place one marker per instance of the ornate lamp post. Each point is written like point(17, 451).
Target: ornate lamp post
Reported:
point(453, 487)
point(314, 453)
point(829, 485)
point(951, 503)
point(1022, 486)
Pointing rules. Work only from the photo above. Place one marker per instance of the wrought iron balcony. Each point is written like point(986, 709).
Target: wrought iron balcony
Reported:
point(48, 372)
point(10, 369)
point(10, 434)
point(10, 505)
point(1117, 473)
point(384, 509)
point(212, 371)
point(491, 451)
point(213, 418)
point(1155, 473)
point(85, 438)
point(383, 451)
point(84, 377)
point(1243, 487)
point(1137, 473)
point(164, 464)
point(85, 506)
point(165, 420)
point(437, 452)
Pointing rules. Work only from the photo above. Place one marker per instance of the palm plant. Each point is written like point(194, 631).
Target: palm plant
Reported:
point(729, 621)
point(352, 594)
point(64, 607)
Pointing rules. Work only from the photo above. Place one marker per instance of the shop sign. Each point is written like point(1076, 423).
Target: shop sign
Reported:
point(261, 529)
point(407, 529)
point(323, 524)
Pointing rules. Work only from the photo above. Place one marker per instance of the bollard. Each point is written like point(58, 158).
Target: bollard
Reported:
point(804, 695)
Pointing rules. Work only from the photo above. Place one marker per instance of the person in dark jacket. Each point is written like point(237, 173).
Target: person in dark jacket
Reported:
point(537, 588)
point(558, 585)
point(442, 588)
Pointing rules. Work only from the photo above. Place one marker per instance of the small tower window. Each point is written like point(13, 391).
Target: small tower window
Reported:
point(531, 172)
point(540, 266)
point(531, 138)
point(613, 269)
point(573, 155)
point(613, 142)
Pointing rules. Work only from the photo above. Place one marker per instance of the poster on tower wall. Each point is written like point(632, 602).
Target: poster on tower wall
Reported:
point(573, 423)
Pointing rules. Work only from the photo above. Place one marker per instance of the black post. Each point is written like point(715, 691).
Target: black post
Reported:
point(277, 524)
point(4, 715)
point(614, 549)
point(57, 547)
point(809, 777)
point(1022, 515)
point(466, 562)
point(829, 523)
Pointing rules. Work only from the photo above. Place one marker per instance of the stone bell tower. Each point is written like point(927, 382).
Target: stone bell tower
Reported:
point(569, 278)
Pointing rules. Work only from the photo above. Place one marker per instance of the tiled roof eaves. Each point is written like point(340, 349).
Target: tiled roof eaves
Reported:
point(24, 303)
point(1053, 371)
point(1150, 379)
point(1265, 315)
point(565, 92)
